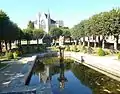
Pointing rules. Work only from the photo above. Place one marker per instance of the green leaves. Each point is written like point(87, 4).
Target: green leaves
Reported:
point(8, 29)
point(56, 32)
point(38, 33)
point(31, 25)
point(104, 23)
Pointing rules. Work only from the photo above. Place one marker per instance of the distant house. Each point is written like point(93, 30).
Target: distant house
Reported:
point(44, 21)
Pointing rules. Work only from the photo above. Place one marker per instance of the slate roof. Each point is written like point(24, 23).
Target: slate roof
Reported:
point(52, 21)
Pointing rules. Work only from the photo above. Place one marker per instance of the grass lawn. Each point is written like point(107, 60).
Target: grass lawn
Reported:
point(2, 65)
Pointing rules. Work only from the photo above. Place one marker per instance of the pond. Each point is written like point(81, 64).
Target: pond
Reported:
point(67, 77)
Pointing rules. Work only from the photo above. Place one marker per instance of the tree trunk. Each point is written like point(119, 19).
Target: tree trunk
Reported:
point(80, 42)
point(10, 46)
point(6, 45)
point(94, 38)
point(0, 46)
point(103, 42)
point(88, 42)
point(64, 41)
point(116, 42)
point(76, 42)
point(83, 41)
point(27, 43)
point(70, 40)
point(19, 43)
point(38, 43)
point(99, 42)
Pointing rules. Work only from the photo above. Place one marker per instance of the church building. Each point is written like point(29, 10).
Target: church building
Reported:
point(44, 21)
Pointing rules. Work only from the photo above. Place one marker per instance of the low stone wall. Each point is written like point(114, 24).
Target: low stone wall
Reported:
point(29, 74)
point(100, 68)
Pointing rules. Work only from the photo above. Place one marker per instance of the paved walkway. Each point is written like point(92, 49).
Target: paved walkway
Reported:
point(109, 64)
point(15, 70)
point(12, 77)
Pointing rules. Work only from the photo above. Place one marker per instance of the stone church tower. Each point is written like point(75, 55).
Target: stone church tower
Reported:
point(44, 21)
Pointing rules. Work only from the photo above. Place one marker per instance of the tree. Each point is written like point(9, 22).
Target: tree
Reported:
point(115, 25)
point(31, 25)
point(4, 19)
point(56, 33)
point(78, 31)
point(38, 34)
point(28, 35)
point(87, 30)
point(66, 34)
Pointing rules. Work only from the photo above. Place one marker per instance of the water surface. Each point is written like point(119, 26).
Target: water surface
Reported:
point(70, 78)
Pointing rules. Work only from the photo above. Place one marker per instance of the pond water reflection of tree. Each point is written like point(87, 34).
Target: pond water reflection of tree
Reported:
point(99, 83)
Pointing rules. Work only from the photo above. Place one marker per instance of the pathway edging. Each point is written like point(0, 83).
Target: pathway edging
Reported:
point(111, 72)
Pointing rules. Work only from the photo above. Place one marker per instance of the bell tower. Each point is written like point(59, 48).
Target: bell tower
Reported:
point(48, 22)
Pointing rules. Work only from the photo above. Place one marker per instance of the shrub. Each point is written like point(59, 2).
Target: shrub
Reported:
point(119, 55)
point(9, 55)
point(79, 47)
point(67, 48)
point(107, 52)
point(17, 53)
point(83, 49)
point(101, 52)
point(90, 50)
point(74, 48)
point(68, 61)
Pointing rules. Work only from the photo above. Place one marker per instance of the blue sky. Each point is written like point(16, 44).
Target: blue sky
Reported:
point(70, 11)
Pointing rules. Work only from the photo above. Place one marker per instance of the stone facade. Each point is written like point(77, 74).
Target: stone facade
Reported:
point(44, 21)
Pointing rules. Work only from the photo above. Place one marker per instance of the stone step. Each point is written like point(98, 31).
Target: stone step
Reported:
point(20, 92)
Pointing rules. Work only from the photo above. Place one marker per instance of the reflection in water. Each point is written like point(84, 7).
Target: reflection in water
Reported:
point(79, 78)
point(62, 79)
point(99, 83)
point(43, 72)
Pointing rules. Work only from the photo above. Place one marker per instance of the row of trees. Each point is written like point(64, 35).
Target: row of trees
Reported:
point(103, 24)
point(56, 32)
point(32, 33)
point(9, 32)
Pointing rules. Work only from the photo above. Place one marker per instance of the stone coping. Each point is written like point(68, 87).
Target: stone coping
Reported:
point(109, 71)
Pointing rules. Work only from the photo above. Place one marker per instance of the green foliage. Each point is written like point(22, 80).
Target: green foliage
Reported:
point(16, 54)
point(50, 60)
point(31, 25)
point(53, 48)
point(67, 48)
point(33, 48)
point(107, 52)
point(41, 49)
point(101, 52)
point(66, 32)
point(119, 55)
point(89, 50)
point(74, 48)
point(79, 48)
point(56, 32)
point(9, 55)
point(38, 33)
point(68, 61)
point(83, 49)
point(104, 23)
